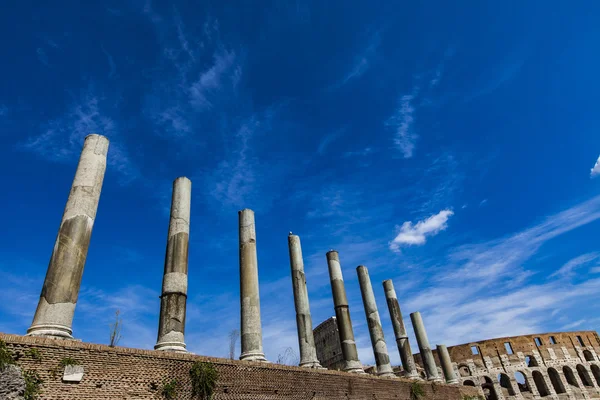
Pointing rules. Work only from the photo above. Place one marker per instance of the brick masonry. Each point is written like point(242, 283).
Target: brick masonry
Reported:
point(125, 373)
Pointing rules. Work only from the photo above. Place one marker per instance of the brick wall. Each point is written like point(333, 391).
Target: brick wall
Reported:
point(124, 373)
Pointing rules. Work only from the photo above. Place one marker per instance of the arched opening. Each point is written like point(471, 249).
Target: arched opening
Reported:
point(506, 385)
point(570, 376)
point(464, 370)
point(488, 388)
point(584, 375)
point(468, 382)
point(588, 355)
point(530, 361)
point(596, 373)
point(522, 382)
point(540, 383)
point(556, 381)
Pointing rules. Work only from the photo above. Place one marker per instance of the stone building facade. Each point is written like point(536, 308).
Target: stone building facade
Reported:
point(558, 365)
point(329, 347)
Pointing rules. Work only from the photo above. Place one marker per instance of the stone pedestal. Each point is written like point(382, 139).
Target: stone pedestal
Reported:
point(342, 314)
point(423, 342)
point(382, 358)
point(408, 362)
point(251, 330)
point(55, 310)
point(171, 325)
point(306, 340)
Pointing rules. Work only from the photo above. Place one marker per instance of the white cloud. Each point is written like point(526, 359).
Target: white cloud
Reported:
point(210, 80)
point(568, 268)
point(417, 234)
point(402, 124)
point(596, 168)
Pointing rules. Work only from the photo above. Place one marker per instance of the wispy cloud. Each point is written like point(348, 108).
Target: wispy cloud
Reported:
point(500, 299)
point(111, 62)
point(595, 169)
point(42, 56)
point(211, 80)
point(61, 139)
point(568, 268)
point(402, 124)
point(363, 59)
point(416, 234)
point(328, 139)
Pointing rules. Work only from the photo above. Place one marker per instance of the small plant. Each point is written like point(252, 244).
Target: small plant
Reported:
point(204, 380)
point(416, 391)
point(34, 353)
point(115, 330)
point(6, 357)
point(68, 361)
point(169, 389)
point(54, 372)
point(33, 384)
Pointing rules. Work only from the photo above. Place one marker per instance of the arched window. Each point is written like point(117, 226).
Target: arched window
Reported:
point(506, 385)
point(540, 383)
point(488, 388)
point(464, 370)
point(468, 382)
point(556, 381)
point(570, 376)
point(522, 382)
point(584, 375)
point(596, 373)
point(588, 355)
point(530, 361)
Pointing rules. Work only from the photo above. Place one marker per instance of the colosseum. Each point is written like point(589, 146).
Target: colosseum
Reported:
point(558, 365)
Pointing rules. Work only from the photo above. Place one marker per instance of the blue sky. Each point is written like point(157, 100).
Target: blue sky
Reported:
point(451, 149)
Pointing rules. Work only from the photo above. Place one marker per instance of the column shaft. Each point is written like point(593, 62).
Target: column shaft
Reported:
point(446, 363)
point(251, 331)
point(306, 340)
point(382, 358)
point(342, 313)
point(55, 310)
point(171, 325)
point(424, 349)
point(408, 362)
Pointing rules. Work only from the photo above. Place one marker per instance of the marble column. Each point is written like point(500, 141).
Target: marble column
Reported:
point(446, 363)
point(382, 358)
point(56, 307)
point(171, 324)
point(406, 356)
point(342, 314)
point(251, 330)
point(423, 342)
point(306, 340)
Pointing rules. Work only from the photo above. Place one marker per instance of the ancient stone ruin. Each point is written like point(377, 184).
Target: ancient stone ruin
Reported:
point(63, 368)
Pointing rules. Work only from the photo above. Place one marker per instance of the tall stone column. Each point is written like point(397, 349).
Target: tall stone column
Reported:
point(446, 363)
point(251, 330)
point(423, 342)
point(408, 362)
point(55, 310)
point(342, 314)
point(382, 358)
point(171, 325)
point(306, 340)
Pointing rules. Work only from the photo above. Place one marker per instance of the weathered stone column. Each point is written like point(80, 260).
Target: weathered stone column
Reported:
point(306, 340)
point(382, 358)
point(408, 362)
point(251, 331)
point(342, 314)
point(171, 325)
point(55, 310)
point(424, 349)
point(446, 363)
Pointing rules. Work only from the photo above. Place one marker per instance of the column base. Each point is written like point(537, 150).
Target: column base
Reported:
point(452, 382)
point(354, 367)
point(253, 356)
point(177, 347)
point(435, 379)
point(311, 364)
point(387, 375)
point(51, 331)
